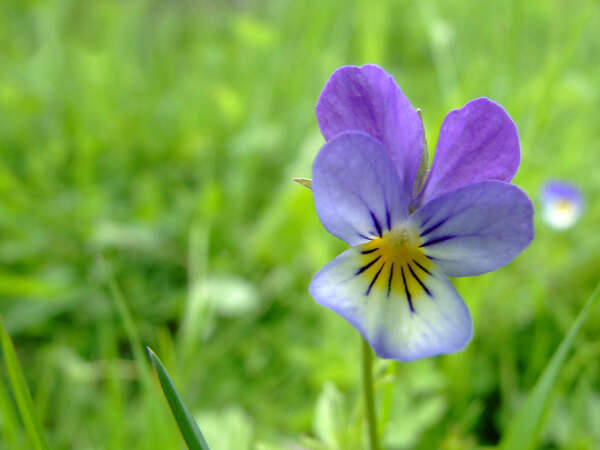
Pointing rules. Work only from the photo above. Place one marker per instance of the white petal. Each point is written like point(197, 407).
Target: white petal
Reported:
point(426, 322)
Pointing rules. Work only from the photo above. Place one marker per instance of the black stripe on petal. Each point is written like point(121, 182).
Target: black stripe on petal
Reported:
point(437, 240)
point(390, 280)
point(434, 227)
point(408, 297)
point(365, 252)
point(426, 221)
point(412, 272)
point(374, 279)
point(376, 223)
point(363, 268)
point(388, 219)
point(422, 268)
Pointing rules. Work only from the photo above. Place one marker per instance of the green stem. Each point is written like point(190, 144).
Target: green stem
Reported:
point(367, 369)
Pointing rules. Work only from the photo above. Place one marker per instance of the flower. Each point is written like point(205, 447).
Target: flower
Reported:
point(408, 235)
point(562, 204)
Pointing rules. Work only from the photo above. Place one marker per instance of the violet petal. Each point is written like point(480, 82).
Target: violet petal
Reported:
point(367, 99)
point(477, 142)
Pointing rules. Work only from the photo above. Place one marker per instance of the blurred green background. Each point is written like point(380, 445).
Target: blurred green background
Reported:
point(147, 151)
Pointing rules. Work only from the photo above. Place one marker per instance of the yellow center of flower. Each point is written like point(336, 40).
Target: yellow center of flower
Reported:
point(394, 263)
point(564, 205)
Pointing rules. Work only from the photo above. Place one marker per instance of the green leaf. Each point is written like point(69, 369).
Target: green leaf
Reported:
point(524, 429)
point(10, 422)
point(187, 425)
point(330, 418)
point(21, 392)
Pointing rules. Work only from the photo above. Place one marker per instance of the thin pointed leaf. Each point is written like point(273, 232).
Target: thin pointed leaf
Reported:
point(424, 165)
point(187, 425)
point(306, 182)
point(523, 431)
point(21, 392)
point(11, 426)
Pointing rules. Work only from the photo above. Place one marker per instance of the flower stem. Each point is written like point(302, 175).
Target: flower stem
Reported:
point(367, 369)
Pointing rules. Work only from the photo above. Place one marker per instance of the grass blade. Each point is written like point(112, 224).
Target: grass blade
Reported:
point(187, 425)
point(128, 324)
point(523, 431)
point(10, 426)
point(161, 432)
point(21, 392)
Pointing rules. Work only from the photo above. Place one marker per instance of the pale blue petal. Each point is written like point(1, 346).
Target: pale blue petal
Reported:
point(358, 194)
point(477, 228)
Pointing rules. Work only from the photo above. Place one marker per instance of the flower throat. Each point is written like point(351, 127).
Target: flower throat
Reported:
point(395, 263)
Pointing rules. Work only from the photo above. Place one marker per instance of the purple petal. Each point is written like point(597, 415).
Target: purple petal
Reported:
point(428, 323)
point(358, 194)
point(367, 99)
point(477, 142)
point(559, 190)
point(475, 229)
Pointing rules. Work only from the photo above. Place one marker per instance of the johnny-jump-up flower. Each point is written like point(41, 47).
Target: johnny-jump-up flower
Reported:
point(562, 204)
point(465, 219)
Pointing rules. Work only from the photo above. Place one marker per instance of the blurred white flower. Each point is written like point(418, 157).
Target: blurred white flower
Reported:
point(562, 204)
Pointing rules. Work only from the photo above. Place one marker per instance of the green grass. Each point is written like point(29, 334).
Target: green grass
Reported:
point(22, 397)
point(187, 425)
point(147, 152)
